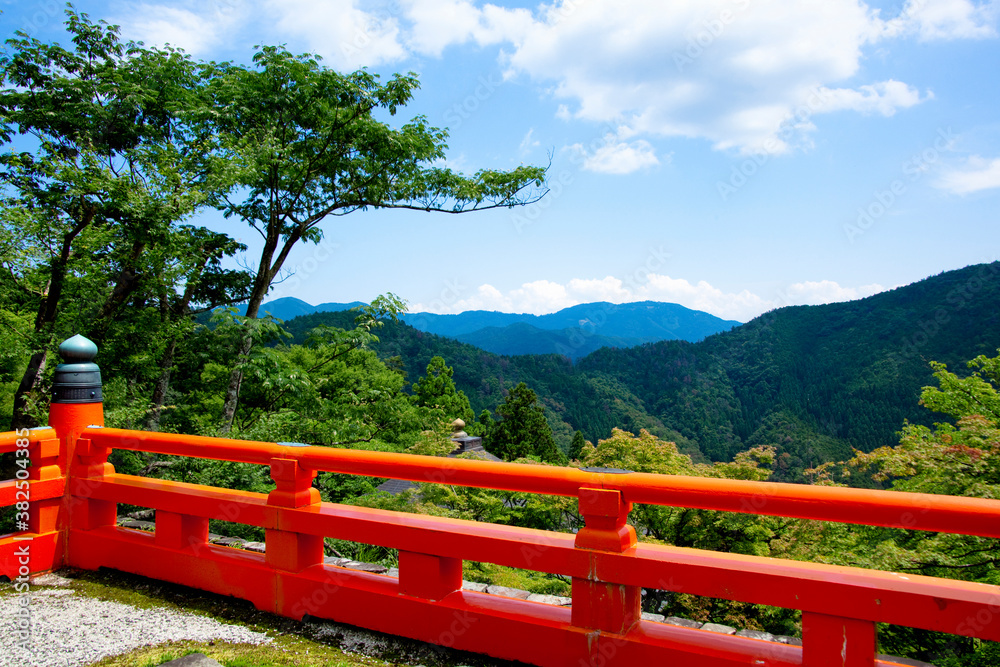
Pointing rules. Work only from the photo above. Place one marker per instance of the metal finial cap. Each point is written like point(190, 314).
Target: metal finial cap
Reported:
point(78, 379)
point(78, 349)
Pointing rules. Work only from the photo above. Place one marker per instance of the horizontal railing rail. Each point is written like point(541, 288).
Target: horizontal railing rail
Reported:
point(892, 509)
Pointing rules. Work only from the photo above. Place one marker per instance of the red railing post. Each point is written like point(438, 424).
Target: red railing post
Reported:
point(597, 604)
point(43, 515)
point(288, 551)
point(830, 640)
point(179, 532)
point(77, 402)
point(428, 577)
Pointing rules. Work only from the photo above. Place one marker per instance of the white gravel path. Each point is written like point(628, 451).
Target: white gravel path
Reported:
point(70, 630)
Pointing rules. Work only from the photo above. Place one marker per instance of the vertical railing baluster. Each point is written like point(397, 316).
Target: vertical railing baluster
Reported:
point(597, 604)
point(428, 577)
point(830, 640)
point(285, 550)
point(43, 515)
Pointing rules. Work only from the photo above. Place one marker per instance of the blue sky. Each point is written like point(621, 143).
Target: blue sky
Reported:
point(729, 155)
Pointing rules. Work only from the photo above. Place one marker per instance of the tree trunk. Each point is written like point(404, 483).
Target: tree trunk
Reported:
point(262, 284)
point(126, 284)
point(31, 382)
point(266, 271)
point(162, 387)
point(45, 320)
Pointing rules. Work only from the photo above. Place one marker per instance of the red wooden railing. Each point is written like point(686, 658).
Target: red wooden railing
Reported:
point(73, 493)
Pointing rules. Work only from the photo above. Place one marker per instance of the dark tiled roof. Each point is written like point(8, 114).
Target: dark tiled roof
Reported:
point(466, 446)
point(395, 486)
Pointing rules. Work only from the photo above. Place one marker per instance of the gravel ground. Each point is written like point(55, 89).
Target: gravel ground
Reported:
point(69, 630)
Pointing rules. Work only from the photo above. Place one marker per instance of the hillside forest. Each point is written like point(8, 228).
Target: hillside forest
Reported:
point(111, 148)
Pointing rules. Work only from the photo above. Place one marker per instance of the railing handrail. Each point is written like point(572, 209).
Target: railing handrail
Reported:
point(9, 439)
point(892, 509)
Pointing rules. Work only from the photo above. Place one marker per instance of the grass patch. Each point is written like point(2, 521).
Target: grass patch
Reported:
point(284, 651)
point(525, 580)
point(309, 644)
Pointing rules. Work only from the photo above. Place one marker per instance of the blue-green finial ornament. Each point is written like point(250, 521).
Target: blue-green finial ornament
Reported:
point(78, 378)
point(77, 349)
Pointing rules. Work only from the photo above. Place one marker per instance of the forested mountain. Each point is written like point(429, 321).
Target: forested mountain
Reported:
point(814, 380)
point(523, 338)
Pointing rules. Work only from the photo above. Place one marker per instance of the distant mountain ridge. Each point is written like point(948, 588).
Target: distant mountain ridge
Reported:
point(288, 307)
point(576, 331)
point(812, 381)
point(645, 320)
point(523, 338)
point(573, 332)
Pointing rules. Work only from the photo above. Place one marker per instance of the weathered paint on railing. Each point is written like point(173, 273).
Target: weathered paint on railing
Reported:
point(74, 524)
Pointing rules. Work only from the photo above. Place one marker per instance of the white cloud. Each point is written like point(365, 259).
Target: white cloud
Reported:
point(543, 296)
point(437, 24)
point(812, 293)
point(978, 174)
point(346, 36)
point(528, 143)
point(885, 98)
point(740, 306)
point(729, 71)
point(945, 20)
point(613, 156)
point(196, 30)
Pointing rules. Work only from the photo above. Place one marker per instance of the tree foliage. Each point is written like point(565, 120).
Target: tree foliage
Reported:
point(437, 391)
point(306, 143)
point(522, 430)
point(97, 172)
point(960, 457)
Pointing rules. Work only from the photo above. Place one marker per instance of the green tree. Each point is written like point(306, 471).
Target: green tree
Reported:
point(959, 457)
point(307, 146)
point(108, 170)
point(522, 430)
point(576, 446)
point(437, 391)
